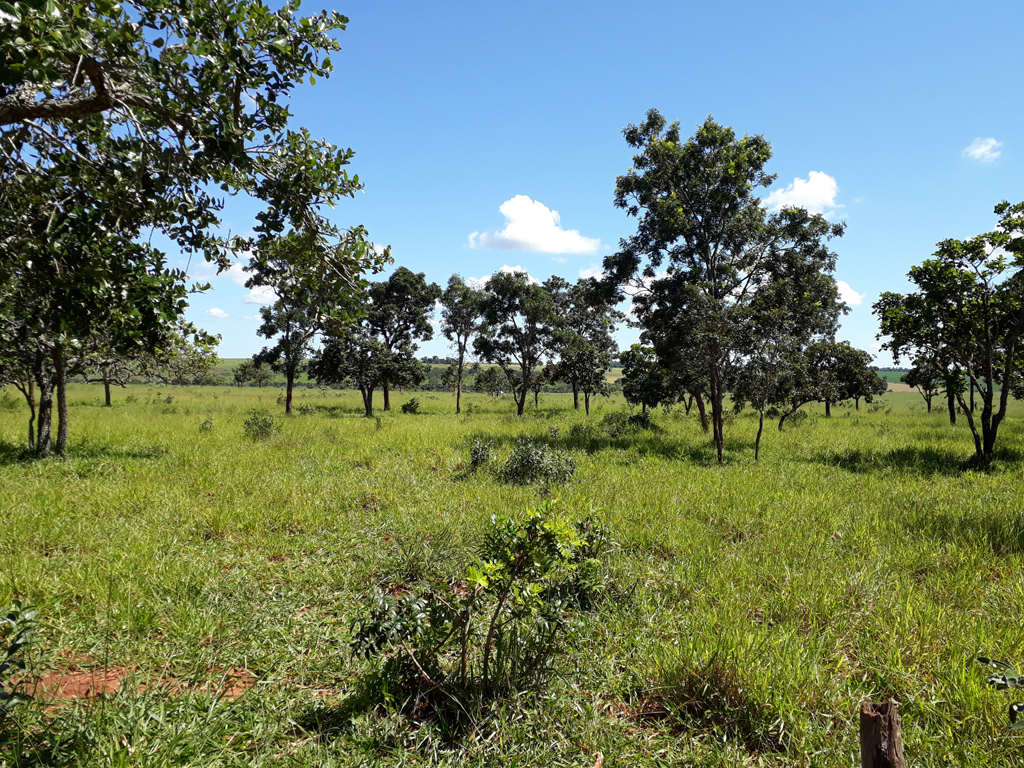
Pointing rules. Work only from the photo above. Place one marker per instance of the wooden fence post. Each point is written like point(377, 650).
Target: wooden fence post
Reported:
point(880, 743)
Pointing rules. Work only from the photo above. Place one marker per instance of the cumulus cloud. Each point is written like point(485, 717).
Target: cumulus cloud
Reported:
point(983, 150)
point(847, 294)
point(532, 226)
point(592, 271)
point(479, 283)
point(217, 312)
point(261, 294)
point(817, 193)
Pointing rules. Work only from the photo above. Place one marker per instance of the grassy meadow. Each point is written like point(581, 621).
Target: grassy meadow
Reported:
point(205, 584)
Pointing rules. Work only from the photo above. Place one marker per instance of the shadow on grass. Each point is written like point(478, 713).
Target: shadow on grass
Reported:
point(927, 461)
point(1002, 534)
point(11, 453)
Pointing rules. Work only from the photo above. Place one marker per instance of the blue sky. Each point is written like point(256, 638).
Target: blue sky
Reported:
point(474, 122)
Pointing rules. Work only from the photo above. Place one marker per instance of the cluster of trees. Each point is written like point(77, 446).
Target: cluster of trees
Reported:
point(730, 297)
point(118, 120)
point(962, 326)
point(531, 333)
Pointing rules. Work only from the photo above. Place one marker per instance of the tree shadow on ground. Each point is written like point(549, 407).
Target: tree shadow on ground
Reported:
point(13, 453)
point(911, 459)
point(1002, 534)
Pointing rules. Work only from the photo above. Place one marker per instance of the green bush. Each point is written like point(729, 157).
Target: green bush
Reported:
point(412, 407)
point(1004, 678)
point(531, 462)
point(260, 426)
point(497, 630)
point(17, 631)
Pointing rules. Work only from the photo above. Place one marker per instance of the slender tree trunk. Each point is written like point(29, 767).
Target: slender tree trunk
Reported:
point(972, 398)
point(856, 403)
point(717, 412)
point(367, 401)
point(106, 391)
point(951, 399)
point(43, 430)
point(828, 408)
point(61, 381)
point(757, 440)
point(458, 384)
point(28, 390)
point(387, 397)
point(643, 408)
point(586, 402)
point(575, 397)
point(289, 387)
point(520, 404)
point(688, 404)
point(702, 410)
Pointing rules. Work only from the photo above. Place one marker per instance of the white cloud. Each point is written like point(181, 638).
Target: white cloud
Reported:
point(817, 193)
point(876, 345)
point(592, 271)
point(847, 294)
point(983, 150)
point(479, 283)
point(251, 317)
point(261, 294)
point(559, 259)
point(236, 273)
point(216, 312)
point(532, 226)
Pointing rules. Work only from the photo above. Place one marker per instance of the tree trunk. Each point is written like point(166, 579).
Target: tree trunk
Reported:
point(106, 391)
point(520, 403)
point(972, 398)
point(951, 401)
point(586, 402)
point(757, 440)
point(387, 397)
point(289, 386)
point(856, 403)
point(702, 411)
point(717, 396)
point(575, 397)
point(881, 745)
point(928, 400)
point(43, 435)
point(828, 408)
point(688, 404)
point(61, 381)
point(28, 390)
point(536, 398)
point(367, 401)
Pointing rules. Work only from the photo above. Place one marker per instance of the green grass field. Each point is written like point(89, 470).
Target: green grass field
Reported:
point(211, 582)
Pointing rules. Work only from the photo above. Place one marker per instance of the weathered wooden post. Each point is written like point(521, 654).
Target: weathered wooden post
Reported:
point(881, 745)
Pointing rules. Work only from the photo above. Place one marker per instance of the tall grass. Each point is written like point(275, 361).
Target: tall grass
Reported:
point(754, 604)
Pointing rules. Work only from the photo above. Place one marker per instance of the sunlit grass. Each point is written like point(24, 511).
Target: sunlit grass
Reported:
point(755, 604)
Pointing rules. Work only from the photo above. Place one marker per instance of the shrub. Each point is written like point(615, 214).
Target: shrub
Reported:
point(497, 630)
point(620, 423)
point(131, 399)
point(260, 426)
point(207, 425)
point(531, 462)
point(17, 630)
point(305, 409)
point(413, 406)
point(1004, 678)
point(480, 453)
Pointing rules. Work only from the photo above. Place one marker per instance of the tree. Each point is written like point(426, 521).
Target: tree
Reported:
point(645, 382)
point(314, 286)
point(926, 378)
point(378, 348)
point(722, 255)
point(518, 316)
point(773, 361)
point(115, 118)
point(460, 320)
point(398, 314)
point(828, 372)
point(967, 309)
point(582, 336)
point(243, 372)
point(491, 380)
